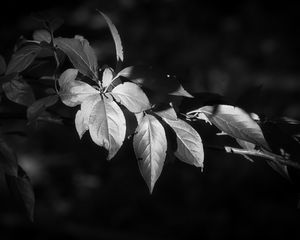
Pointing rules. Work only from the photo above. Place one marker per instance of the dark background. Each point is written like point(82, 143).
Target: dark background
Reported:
point(221, 47)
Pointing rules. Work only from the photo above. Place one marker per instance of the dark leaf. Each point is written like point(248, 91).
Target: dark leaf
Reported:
point(151, 79)
point(8, 158)
point(21, 59)
point(21, 189)
point(19, 91)
point(2, 65)
point(39, 106)
point(81, 55)
point(42, 35)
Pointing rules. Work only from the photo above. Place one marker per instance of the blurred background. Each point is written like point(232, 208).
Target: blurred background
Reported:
point(233, 49)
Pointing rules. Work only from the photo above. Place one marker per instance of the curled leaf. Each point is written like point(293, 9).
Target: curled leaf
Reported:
point(116, 37)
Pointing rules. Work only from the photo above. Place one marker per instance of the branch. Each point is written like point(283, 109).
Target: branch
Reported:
point(257, 153)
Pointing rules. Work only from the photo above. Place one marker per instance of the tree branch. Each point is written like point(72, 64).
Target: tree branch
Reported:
point(256, 153)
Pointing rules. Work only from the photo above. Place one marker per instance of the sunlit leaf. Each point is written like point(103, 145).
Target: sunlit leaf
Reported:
point(189, 143)
point(83, 115)
point(21, 59)
point(42, 35)
point(107, 125)
point(2, 65)
point(39, 106)
point(131, 96)
point(168, 113)
point(80, 54)
point(73, 92)
point(67, 76)
point(150, 147)
point(116, 37)
point(19, 91)
point(22, 190)
point(235, 122)
point(107, 77)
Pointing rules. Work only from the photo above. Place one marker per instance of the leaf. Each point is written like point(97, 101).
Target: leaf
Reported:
point(21, 189)
point(149, 78)
point(39, 106)
point(67, 76)
point(116, 37)
point(8, 158)
point(42, 35)
point(150, 147)
point(83, 115)
point(131, 96)
point(107, 125)
point(19, 91)
point(235, 122)
point(21, 59)
point(189, 143)
point(81, 55)
point(74, 92)
point(2, 65)
point(168, 113)
point(107, 77)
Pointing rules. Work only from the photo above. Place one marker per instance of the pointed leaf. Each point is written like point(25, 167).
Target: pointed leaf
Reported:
point(21, 59)
point(189, 143)
point(39, 106)
point(131, 96)
point(2, 65)
point(235, 122)
point(81, 55)
point(19, 91)
point(42, 35)
point(107, 126)
point(150, 147)
point(21, 189)
point(116, 37)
